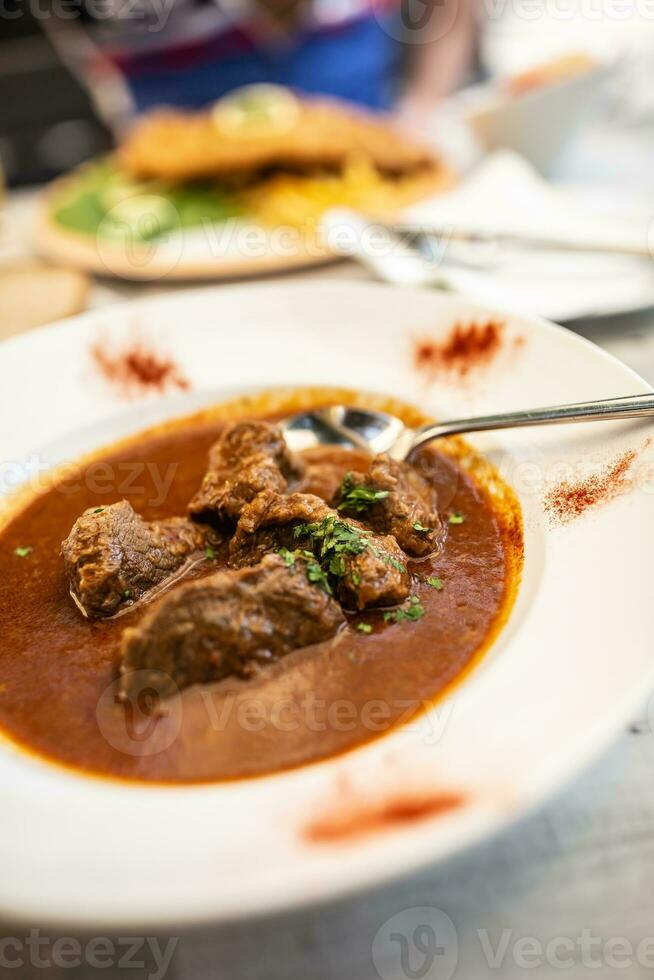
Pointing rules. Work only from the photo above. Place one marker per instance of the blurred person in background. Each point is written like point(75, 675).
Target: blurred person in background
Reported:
point(135, 55)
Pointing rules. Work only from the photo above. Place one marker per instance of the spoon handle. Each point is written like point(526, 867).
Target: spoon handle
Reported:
point(630, 407)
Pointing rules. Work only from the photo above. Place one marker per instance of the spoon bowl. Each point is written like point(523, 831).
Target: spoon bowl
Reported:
point(340, 425)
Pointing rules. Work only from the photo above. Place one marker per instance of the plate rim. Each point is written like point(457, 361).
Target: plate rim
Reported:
point(578, 759)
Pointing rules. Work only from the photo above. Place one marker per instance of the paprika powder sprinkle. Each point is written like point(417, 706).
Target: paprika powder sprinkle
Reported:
point(358, 821)
point(137, 369)
point(466, 348)
point(569, 500)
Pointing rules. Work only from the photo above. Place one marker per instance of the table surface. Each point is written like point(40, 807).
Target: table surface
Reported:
point(567, 891)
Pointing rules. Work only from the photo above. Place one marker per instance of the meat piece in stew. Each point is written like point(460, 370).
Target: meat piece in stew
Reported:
point(247, 458)
point(394, 498)
point(228, 623)
point(268, 523)
point(362, 568)
point(321, 478)
point(113, 557)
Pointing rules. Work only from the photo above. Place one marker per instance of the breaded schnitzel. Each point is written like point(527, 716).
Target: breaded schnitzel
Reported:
point(181, 146)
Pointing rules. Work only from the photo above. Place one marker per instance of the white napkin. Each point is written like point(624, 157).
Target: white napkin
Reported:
point(505, 194)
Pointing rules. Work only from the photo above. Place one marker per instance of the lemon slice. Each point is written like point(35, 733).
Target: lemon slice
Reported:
point(256, 111)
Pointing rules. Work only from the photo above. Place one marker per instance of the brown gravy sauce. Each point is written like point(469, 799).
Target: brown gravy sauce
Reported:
point(58, 671)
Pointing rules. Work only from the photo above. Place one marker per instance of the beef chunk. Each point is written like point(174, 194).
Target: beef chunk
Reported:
point(267, 524)
point(113, 557)
point(362, 568)
point(228, 623)
point(394, 498)
point(247, 458)
point(321, 479)
point(375, 577)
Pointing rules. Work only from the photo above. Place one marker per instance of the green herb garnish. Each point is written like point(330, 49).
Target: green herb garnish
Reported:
point(409, 613)
point(364, 628)
point(393, 562)
point(318, 577)
point(98, 510)
point(288, 556)
point(315, 573)
point(332, 537)
point(209, 553)
point(337, 566)
point(456, 518)
point(332, 540)
point(23, 552)
point(420, 528)
point(435, 582)
point(357, 497)
point(127, 594)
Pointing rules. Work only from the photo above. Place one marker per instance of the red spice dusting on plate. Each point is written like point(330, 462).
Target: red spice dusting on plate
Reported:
point(349, 822)
point(137, 369)
point(467, 347)
point(569, 499)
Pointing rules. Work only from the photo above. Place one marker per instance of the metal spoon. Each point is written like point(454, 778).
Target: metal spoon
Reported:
point(379, 432)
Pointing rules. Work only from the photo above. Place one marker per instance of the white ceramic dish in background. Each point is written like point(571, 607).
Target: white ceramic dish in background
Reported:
point(571, 664)
point(537, 123)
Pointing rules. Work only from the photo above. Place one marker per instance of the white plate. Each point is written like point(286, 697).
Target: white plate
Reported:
point(571, 664)
point(234, 248)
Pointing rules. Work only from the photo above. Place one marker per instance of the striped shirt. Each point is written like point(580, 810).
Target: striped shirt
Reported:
point(189, 52)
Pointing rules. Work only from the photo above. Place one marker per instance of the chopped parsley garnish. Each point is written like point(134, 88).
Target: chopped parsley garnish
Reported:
point(315, 574)
point(409, 613)
point(332, 538)
point(318, 577)
point(420, 528)
point(288, 556)
point(127, 594)
point(358, 497)
point(98, 510)
point(337, 566)
point(435, 582)
point(209, 553)
point(23, 552)
point(364, 628)
point(456, 518)
point(393, 562)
